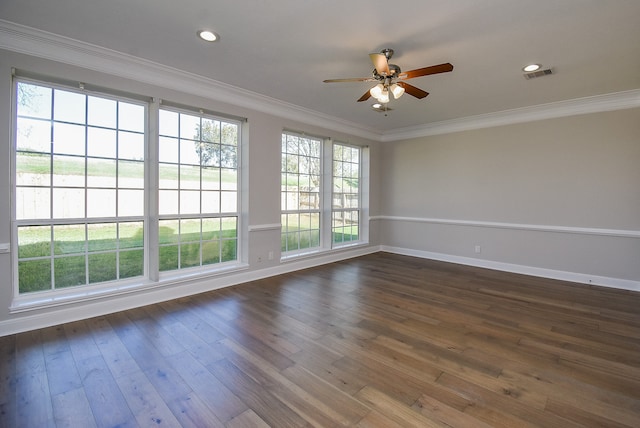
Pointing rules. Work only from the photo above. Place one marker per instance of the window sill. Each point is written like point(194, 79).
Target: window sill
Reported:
point(321, 251)
point(49, 299)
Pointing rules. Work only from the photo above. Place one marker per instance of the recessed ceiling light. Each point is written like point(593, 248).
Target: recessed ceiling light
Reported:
point(208, 35)
point(531, 67)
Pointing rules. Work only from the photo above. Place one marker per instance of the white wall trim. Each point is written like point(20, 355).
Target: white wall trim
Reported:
point(581, 278)
point(31, 41)
point(594, 104)
point(69, 313)
point(264, 227)
point(621, 233)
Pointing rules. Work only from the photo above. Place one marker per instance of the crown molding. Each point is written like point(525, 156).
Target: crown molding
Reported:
point(31, 41)
point(34, 42)
point(593, 104)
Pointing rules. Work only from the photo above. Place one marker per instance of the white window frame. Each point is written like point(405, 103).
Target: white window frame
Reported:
point(359, 195)
point(166, 274)
point(151, 277)
point(326, 200)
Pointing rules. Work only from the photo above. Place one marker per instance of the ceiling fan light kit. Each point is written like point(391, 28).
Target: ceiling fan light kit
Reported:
point(390, 78)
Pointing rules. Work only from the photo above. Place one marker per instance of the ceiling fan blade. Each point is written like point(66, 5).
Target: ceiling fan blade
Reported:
point(418, 72)
point(412, 90)
point(365, 96)
point(354, 79)
point(380, 62)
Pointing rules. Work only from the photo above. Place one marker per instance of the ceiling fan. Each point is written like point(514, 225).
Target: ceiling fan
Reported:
point(391, 79)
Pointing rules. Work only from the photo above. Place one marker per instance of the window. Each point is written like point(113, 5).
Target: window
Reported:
point(322, 196)
point(345, 219)
point(198, 190)
point(87, 204)
point(300, 193)
point(79, 188)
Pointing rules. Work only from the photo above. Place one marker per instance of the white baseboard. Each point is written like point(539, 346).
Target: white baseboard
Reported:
point(102, 306)
point(581, 278)
point(70, 313)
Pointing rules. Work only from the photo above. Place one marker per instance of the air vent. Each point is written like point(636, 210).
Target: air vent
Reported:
point(539, 73)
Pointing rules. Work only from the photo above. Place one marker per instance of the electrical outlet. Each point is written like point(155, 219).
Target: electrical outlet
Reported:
point(270, 255)
point(478, 249)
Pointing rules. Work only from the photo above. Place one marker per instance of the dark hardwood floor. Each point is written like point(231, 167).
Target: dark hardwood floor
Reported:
point(377, 341)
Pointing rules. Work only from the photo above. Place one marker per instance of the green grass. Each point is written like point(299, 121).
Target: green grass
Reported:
point(104, 260)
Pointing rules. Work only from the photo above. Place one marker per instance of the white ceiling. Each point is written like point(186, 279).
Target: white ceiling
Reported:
point(284, 49)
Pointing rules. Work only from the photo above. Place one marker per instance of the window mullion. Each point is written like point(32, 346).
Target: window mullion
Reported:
point(327, 189)
point(152, 182)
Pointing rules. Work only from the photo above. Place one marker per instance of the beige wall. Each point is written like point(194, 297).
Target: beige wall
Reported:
point(579, 175)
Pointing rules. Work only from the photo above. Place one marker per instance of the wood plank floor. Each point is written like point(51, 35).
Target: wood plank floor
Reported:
point(377, 341)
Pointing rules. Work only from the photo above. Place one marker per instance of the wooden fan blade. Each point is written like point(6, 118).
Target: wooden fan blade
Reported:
point(412, 90)
point(380, 63)
point(354, 79)
point(418, 72)
point(365, 96)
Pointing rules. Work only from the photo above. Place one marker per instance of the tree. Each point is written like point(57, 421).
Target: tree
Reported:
point(217, 143)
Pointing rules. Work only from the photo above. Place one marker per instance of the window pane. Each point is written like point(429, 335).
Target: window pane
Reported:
point(101, 142)
point(168, 123)
point(102, 237)
point(34, 101)
point(34, 275)
point(69, 271)
point(102, 112)
point(103, 267)
point(131, 117)
point(211, 228)
point(169, 231)
point(211, 131)
point(210, 252)
point(168, 257)
point(68, 139)
point(189, 177)
point(69, 106)
point(130, 202)
point(33, 203)
point(211, 178)
point(101, 173)
point(101, 203)
point(190, 230)
point(69, 239)
point(189, 202)
point(189, 152)
point(189, 126)
point(131, 174)
point(131, 263)
point(130, 146)
point(168, 176)
point(228, 202)
point(168, 150)
point(131, 234)
point(168, 202)
point(68, 171)
point(68, 203)
point(211, 202)
point(32, 169)
point(34, 241)
point(33, 135)
point(190, 255)
point(229, 250)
